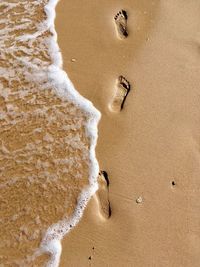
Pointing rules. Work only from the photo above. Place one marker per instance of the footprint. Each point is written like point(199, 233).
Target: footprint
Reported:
point(121, 24)
point(102, 195)
point(123, 88)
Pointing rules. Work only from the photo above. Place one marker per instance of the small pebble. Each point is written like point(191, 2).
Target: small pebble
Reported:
point(139, 200)
point(73, 60)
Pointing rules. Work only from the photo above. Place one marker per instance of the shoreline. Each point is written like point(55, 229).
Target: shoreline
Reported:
point(147, 149)
point(44, 188)
point(138, 63)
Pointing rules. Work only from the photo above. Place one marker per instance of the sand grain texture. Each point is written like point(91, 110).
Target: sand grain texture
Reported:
point(45, 145)
point(152, 142)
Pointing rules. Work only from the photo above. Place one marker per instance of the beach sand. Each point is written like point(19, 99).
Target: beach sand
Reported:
point(47, 138)
point(146, 212)
point(151, 148)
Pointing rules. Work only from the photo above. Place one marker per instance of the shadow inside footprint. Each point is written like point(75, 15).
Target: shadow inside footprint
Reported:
point(121, 24)
point(102, 196)
point(122, 90)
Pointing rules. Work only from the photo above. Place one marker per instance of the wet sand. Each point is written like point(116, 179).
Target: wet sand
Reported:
point(47, 137)
point(150, 149)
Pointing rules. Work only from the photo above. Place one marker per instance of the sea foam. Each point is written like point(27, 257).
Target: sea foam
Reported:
point(59, 79)
point(51, 76)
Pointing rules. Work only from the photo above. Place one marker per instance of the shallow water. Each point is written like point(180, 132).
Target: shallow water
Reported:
point(48, 134)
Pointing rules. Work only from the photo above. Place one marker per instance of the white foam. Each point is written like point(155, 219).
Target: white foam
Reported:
point(53, 76)
point(60, 81)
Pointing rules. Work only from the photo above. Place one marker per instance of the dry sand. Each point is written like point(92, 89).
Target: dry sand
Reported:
point(151, 149)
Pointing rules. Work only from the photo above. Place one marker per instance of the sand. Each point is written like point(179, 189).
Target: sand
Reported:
point(150, 149)
point(45, 140)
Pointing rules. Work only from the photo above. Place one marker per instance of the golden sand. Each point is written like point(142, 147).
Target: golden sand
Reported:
point(44, 153)
point(151, 148)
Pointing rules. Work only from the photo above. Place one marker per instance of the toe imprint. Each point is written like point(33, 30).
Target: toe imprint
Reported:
point(121, 24)
point(122, 90)
point(102, 195)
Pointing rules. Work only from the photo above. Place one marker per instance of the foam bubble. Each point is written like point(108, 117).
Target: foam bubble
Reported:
point(65, 88)
point(52, 76)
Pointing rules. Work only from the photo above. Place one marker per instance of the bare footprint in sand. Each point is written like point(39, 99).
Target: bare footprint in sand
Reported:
point(121, 24)
point(102, 195)
point(122, 90)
